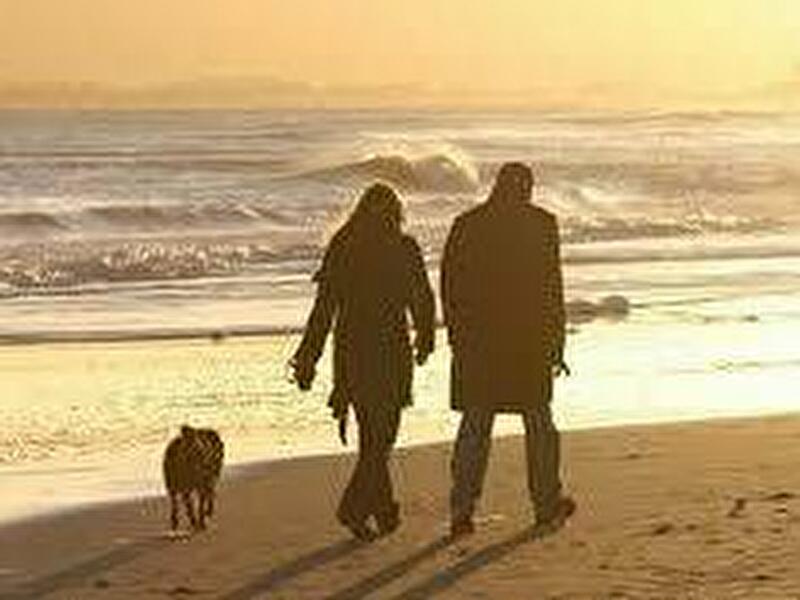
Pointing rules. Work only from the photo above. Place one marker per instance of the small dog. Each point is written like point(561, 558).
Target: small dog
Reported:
point(192, 465)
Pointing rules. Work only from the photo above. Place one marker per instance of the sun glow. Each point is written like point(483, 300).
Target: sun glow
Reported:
point(691, 47)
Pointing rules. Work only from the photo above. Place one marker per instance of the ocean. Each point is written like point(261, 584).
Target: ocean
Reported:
point(155, 268)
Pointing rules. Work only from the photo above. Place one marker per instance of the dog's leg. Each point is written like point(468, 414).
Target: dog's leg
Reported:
point(202, 499)
point(188, 503)
point(210, 499)
point(173, 510)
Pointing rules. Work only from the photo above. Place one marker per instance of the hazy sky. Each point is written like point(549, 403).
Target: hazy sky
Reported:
point(699, 46)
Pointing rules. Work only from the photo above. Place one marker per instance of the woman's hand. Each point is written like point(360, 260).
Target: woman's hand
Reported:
point(303, 372)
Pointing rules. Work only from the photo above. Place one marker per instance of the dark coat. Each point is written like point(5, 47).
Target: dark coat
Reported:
point(503, 302)
point(368, 283)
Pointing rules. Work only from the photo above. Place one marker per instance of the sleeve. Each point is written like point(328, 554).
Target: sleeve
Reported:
point(555, 313)
point(322, 314)
point(451, 281)
point(423, 302)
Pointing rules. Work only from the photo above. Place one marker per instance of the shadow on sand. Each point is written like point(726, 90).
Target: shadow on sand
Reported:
point(287, 571)
point(394, 571)
point(77, 574)
point(441, 580)
point(436, 583)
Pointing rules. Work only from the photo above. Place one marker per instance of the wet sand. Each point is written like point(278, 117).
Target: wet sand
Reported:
point(697, 510)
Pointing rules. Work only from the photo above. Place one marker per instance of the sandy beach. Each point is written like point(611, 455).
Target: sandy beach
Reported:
point(695, 510)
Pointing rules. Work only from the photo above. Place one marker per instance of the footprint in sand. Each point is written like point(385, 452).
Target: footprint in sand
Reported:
point(182, 590)
point(776, 530)
point(738, 508)
point(780, 497)
point(662, 529)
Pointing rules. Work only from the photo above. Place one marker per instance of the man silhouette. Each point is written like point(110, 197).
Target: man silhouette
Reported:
point(503, 302)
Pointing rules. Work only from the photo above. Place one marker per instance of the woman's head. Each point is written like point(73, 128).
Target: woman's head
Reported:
point(379, 207)
point(514, 184)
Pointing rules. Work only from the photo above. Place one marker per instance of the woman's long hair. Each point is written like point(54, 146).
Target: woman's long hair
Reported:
point(379, 210)
point(373, 225)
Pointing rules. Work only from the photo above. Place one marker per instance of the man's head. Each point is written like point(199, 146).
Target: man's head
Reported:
point(514, 184)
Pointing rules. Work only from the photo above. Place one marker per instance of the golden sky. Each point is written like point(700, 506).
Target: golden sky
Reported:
point(696, 46)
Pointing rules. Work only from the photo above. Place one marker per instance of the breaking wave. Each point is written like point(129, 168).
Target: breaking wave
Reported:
point(581, 230)
point(141, 217)
point(434, 173)
point(59, 270)
point(29, 222)
point(167, 216)
point(614, 307)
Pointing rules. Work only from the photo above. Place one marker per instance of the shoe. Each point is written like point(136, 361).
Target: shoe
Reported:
point(358, 527)
point(389, 520)
point(555, 518)
point(461, 528)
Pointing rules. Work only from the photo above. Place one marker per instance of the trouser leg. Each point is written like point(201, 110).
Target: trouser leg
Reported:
point(543, 449)
point(370, 488)
point(384, 425)
point(469, 462)
point(353, 505)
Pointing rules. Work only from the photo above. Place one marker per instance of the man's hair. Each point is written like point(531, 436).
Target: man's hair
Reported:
point(513, 185)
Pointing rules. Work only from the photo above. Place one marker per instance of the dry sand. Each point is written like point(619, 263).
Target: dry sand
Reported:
point(702, 510)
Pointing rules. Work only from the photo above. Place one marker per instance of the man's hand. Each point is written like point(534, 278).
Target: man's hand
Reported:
point(422, 351)
point(421, 357)
point(303, 373)
point(561, 368)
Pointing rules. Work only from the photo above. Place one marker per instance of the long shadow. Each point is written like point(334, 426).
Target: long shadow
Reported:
point(394, 571)
point(76, 574)
point(440, 581)
point(283, 573)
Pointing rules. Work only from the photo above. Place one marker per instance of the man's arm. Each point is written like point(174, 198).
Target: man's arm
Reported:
point(555, 312)
point(450, 279)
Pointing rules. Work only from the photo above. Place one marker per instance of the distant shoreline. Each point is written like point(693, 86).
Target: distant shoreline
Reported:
point(612, 307)
point(214, 334)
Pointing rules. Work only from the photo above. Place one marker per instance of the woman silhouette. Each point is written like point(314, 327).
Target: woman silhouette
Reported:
point(371, 277)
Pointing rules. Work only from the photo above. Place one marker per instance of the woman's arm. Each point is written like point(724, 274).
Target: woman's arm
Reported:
point(423, 305)
point(317, 327)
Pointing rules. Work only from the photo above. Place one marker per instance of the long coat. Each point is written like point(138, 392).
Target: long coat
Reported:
point(502, 295)
point(368, 284)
